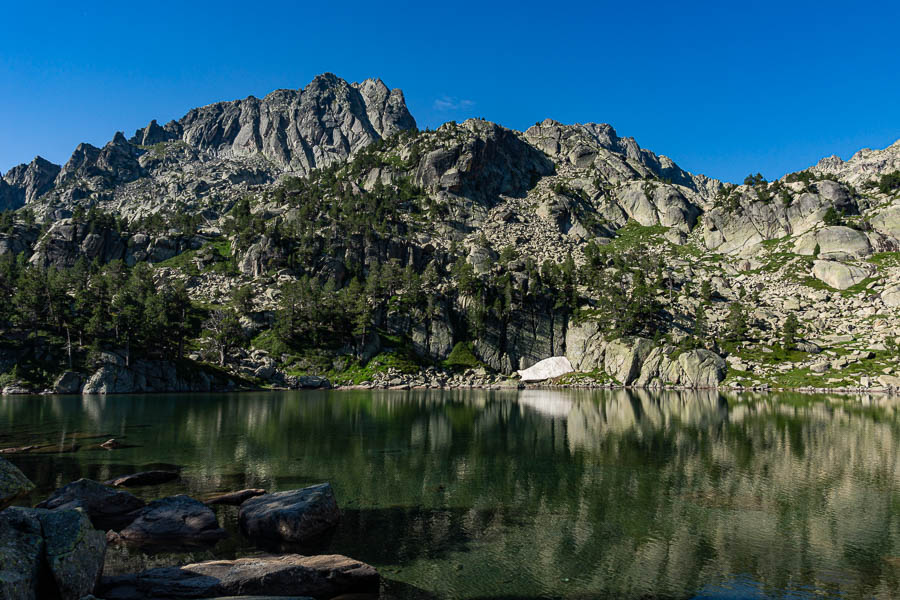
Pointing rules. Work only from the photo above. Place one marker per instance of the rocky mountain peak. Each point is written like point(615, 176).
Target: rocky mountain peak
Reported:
point(27, 182)
point(864, 166)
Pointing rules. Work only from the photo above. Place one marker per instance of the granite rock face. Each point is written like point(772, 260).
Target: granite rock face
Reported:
point(299, 130)
point(292, 516)
point(325, 576)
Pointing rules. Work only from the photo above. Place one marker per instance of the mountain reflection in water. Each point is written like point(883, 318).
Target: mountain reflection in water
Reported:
point(540, 493)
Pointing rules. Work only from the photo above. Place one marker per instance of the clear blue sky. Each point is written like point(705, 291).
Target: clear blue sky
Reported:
point(723, 88)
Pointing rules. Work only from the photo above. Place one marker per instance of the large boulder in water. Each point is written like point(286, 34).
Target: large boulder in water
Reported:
point(290, 575)
point(21, 554)
point(74, 551)
point(174, 521)
point(13, 483)
point(292, 516)
point(107, 508)
point(548, 368)
point(48, 554)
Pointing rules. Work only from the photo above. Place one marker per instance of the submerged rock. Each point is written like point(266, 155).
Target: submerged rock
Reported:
point(107, 508)
point(176, 520)
point(13, 483)
point(317, 576)
point(236, 498)
point(143, 478)
point(292, 516)
point(547, 369)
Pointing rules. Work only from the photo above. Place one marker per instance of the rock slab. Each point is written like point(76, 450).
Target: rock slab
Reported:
point(289, 575)
point(548, 368)
point(292, 516)
point(107, 508)
point(236, 498)
point(143, 478)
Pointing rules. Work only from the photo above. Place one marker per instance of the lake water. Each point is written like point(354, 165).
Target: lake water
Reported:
point(535, 494)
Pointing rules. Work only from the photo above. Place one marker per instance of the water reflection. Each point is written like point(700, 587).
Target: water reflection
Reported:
point(539, 493)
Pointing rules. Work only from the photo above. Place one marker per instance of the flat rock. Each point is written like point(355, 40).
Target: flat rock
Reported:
point(236, 498)
point(177, 521)
point(547, 369)
point(292, 516)
point(143, 478)
point(289, 575)
point(13, 483)
point(107, 508)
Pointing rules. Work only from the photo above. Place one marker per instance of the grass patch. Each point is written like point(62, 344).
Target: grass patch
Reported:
point(463, 357)
point(885, 259)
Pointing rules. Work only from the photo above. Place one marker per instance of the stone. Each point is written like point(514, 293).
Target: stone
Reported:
point(891, 296)
point(174, 521)
point(236, 498)
point(74, 551)
point(107, 508)
point(22, 563)
point(840, 275)
point(292, 516)
point(819, 367)
point(68, 383)
point(13, 483)
point(48, 554)
point(143, 478)
point(326, 576)
point(548, 368)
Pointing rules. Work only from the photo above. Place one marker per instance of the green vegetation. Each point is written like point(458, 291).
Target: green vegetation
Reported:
point(462, 357)
point(889, 182)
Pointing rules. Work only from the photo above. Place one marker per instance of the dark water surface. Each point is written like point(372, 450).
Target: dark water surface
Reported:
point(535, 494)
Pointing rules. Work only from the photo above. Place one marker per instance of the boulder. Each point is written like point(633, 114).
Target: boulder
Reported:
point(624, 358)
point(834, 242)
point(21, 554)
point(68, 383)
point(13, 483)
point(548, 368)
point(289, 575)
point(891, 296)
point(840, 275)
point(236, 498)
point(74, 550)
point(143, 478)
point(48, 554)
point(176, 520)
point(292, 516)
point(107, 508)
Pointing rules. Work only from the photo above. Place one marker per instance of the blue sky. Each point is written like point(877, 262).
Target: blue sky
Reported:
point(723, 88)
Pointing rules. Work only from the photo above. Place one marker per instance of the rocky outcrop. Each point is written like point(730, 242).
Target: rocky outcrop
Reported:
point(105, 507)
point(178, 521)
point(480, 161)
point(326, 576)
point(151, 376)
point(116, 163)
point(32, 180)
point(639, 362)
point(48, 554)
point(292, 516)
point(13, 483)
point(548, 368)
point(299, 130)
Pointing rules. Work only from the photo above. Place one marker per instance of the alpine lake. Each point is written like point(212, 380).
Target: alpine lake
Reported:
point(521, 494)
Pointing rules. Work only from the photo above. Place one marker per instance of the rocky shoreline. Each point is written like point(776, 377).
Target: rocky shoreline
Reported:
point(58, 549)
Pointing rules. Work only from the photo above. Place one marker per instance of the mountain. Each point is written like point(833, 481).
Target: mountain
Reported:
point(318, 232)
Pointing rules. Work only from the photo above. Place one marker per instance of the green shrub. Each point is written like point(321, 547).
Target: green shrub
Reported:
point(462, 356)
